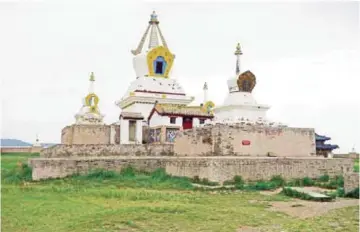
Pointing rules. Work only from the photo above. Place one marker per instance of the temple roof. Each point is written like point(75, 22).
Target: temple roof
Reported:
point(153, 37)
point(131, 115)
point(326, 146)
point(321, 137)
point(180, 110)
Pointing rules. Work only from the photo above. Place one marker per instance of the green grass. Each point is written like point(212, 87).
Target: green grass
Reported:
point(131, 201)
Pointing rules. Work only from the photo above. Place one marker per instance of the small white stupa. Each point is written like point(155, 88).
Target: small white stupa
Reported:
point(240, 106)
point(37, 143)
point(89, 112)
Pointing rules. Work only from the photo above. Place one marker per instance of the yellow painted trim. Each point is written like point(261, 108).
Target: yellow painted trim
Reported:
point(163, 96)
point(93, 108)
point(168, 57)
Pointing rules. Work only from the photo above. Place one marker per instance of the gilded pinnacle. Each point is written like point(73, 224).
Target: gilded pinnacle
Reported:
point(238, 50)
point(205, 86)
point(92, 76)
point(153, 18)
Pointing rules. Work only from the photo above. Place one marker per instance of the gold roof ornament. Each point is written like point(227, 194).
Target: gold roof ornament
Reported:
point(238, 50)
point(92, 76)
point(246, 81)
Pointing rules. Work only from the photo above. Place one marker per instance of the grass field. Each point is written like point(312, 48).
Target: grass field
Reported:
point(146, 203)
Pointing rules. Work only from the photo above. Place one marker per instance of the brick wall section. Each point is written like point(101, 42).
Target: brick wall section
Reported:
point(213, 168)
point(63, 150)
point(351, 181)
point(86, 134)
point(227, 140)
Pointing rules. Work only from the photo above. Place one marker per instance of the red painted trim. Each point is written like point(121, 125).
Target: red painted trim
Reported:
point(186, 115)
point(133, 118)
point(151, 113)
point(178, 115)
point(145, 91)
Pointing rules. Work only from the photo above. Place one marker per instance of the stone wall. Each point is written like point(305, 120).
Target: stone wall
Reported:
point(91, 150)
point(351, 181)
point(237, 140)
point(213, 168)
point(351, 155)
point(21, 149)
point(86, 134)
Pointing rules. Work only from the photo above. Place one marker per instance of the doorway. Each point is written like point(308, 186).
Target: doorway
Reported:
point(187, 123)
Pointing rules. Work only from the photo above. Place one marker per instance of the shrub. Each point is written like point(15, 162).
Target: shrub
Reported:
point(101, 174)
point(306, 181)
point(21, 173)
point(160, 174)
point(239, 182)
point(353, 194)
point(278, 180)
point(293, 193)
point(324, 178)
point(128, 172)
point(261, 185)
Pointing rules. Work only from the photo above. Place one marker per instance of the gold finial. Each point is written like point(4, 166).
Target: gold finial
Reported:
point(238, 49)
point(92, 76)
point(153, 18)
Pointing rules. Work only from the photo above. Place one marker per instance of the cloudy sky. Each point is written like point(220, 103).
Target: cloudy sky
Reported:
point(305, 57)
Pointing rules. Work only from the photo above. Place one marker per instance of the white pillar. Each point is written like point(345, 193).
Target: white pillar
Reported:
point(139, 131)
point(124, 131)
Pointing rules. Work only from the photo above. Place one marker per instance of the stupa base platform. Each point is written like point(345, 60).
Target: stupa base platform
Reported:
point(214, 168)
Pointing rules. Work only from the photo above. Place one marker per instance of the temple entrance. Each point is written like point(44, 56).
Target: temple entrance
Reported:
point(132, 130)
point(187, 123)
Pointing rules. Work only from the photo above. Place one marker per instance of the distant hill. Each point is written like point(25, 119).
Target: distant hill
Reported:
point(14, 143)
point(20, 143)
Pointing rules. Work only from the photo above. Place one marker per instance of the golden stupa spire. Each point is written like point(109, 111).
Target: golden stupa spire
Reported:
point(92, 76)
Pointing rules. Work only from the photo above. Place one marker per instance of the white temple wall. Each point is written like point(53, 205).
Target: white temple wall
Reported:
point(235, 113)
point(158, 120)
point(144, 109)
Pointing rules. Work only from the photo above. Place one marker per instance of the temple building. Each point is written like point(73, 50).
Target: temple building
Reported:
point(240, 105)
point(154, 98)
point(90, 112)
point(323, 149)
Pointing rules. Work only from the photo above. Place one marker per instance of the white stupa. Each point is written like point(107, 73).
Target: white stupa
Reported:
point(153, 81)
point(89, 112)
point(37, 142)
point(240, 105)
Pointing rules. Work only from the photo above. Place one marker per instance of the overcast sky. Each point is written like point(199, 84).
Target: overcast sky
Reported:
point(305, 57)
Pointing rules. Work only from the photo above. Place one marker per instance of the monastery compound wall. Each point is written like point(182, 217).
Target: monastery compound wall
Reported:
point(216, 169)
point(214, 152)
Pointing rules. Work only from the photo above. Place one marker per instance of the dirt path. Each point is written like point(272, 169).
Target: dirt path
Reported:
point(305, 209)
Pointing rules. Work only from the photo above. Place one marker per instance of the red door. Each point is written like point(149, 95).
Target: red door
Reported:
point(187, 123)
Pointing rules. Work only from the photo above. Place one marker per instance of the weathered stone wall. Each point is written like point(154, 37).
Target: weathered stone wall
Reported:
point(21, 149)
point(351, 155)
point(91, 150)
point(86, 134)
point(213, 168)
point(226, 140)
point(351, 181)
